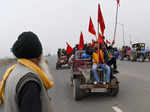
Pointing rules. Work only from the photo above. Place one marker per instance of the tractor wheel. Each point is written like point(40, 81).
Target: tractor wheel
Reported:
point(114, 91)
point(58, 66)
point(142, 58)
point(121, 58)
point(76, 90)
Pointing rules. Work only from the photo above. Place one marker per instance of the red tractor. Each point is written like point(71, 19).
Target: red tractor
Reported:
point(82, 78)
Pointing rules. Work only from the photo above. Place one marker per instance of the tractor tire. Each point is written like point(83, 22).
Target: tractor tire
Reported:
point(114, 91)
point(76, 90)
point(58, 66)
point(121, 58)
point(142, 58)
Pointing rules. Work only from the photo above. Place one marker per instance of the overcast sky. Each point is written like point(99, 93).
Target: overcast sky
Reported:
point(58, 21)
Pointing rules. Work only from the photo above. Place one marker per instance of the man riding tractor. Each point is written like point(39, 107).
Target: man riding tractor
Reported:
point(98, 61)
point(63, 58)
point(92, 75)
point(108, 56)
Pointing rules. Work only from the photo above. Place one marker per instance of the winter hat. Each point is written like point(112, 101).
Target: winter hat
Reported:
point(27, 46)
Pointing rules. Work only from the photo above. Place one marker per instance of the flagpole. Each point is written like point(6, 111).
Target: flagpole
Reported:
point(123, 35)
point(98, 43)
point(96, 37)
point(130, 40)
point(116, 22)
point(98, 40)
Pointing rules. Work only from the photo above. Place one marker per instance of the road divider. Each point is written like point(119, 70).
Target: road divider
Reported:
point(6, 61)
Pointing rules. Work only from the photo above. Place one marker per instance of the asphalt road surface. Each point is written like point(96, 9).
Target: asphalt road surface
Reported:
point(134, 95)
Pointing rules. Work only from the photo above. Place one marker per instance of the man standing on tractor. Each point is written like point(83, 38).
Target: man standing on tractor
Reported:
point(98, 61)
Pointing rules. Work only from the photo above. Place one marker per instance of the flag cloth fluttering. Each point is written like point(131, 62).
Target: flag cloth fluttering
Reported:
point(91, 27)
point(93, 42)
point(68, 49)
point(108, 42)
point(118, 2)
point(101, 20)
point(81, 42)
point(100, 38)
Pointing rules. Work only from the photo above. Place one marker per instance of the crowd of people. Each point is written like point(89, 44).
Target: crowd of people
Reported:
point(100, 55)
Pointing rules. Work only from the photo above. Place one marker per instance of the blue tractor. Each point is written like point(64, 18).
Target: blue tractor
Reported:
point(139, 52)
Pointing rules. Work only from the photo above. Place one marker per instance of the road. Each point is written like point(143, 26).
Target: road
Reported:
point(134, 95)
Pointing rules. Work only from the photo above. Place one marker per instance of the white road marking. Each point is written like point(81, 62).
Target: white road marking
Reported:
point(116, 109)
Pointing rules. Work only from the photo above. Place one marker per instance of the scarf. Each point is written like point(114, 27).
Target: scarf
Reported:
point(29, 64)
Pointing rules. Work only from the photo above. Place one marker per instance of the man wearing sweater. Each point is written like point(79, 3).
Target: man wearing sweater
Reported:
point(24, 87)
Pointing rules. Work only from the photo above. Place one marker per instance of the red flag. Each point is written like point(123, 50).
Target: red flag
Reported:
point(101, 20)
point(81, 43)
point(100, 38)
point(118, 2)
point(91, 27)
point(108, 42)
point(69, 49)
point(93, 42)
